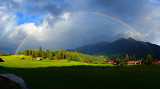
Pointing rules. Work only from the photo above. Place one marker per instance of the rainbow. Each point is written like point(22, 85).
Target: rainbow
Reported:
point(86, 12)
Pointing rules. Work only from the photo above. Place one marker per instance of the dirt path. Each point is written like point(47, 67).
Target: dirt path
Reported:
point(16, 79)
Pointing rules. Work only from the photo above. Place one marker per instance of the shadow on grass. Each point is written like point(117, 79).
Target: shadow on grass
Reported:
point(89, 77)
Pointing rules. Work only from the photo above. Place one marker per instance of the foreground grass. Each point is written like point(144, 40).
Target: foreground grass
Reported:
point(7, 84)
point(80, 76)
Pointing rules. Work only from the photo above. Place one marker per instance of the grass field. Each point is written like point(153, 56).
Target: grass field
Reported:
point(16, 62)
point(74, 75)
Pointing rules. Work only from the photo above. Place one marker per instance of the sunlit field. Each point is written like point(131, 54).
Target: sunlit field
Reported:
point(15, 62)
point(75, 75)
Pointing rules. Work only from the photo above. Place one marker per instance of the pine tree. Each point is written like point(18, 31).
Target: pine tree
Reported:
point(44, 55)
point(19, 53)
point(126, 58)
point(133, 57)
point(65, 54)
point(147, 60)
point(40, 51)
point(25, 52)
point(150, 59)
point(50, 55)
point(122, 58)
point(30, 51)
point(130, 58)
point(74, 57)
point(33, 54)
point(37, 53)
point(118, 61)
point(47, 52)
point(61, 54)
point(121, 61)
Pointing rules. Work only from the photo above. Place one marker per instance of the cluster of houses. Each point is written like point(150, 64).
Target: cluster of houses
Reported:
point(129, 62)
point(37, 58)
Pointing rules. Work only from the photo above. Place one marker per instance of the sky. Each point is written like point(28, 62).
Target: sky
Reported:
point(69, 29)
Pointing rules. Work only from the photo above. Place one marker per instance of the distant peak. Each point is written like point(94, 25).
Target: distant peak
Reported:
point(121, 39)
point(131, 39)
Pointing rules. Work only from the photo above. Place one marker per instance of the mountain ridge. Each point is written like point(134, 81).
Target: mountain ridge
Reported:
point(121, 47)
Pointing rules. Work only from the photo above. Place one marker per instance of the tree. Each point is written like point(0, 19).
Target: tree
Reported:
point(37, 53)
point(40, 51)
point(121, 61)
point(133, 57)
point(118, 61)
point(65, 54)
point(126, 58)
point(121, 58)
point(60, 54)
point(19, 53)
point(30, 51)
point(150, 59)
point(74, 57)
point(44, 55)
point(147, 60)
point(77, 57)
point(50, 55)
point(47, 52)
point(130, 58)
point(25, 52)
point(33, 54)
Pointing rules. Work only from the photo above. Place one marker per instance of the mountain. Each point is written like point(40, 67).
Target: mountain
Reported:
point(92, 49)
point(6, 50)
point(121, 47)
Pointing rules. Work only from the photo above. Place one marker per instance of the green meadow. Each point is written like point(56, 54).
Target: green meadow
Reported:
point(16, 62)
point(62, 74)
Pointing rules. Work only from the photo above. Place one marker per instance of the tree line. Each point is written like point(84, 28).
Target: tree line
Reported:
point(146, 60)
point(2, 54)
point(52, 55)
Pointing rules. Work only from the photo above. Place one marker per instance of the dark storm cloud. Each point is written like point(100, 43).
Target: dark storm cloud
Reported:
point(86, 28)
point(49, 8)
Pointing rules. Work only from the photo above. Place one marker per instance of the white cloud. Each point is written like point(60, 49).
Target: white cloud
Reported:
point(2, 7)
point(66, 16)
point(4, 18)
point(19, 32)
point(130, 34)
point(7, 22)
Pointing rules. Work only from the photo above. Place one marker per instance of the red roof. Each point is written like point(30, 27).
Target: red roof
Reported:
point(134, 61)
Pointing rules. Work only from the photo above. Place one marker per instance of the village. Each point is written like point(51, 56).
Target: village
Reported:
point(138, 62)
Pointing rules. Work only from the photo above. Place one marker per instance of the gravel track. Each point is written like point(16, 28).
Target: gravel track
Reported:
point(16, 79)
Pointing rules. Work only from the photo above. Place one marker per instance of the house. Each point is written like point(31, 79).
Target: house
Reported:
point(134, 62)
point(156, 61)
point(21, 57)
point(37, 58)
point(109, 62)
point(87, 62)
